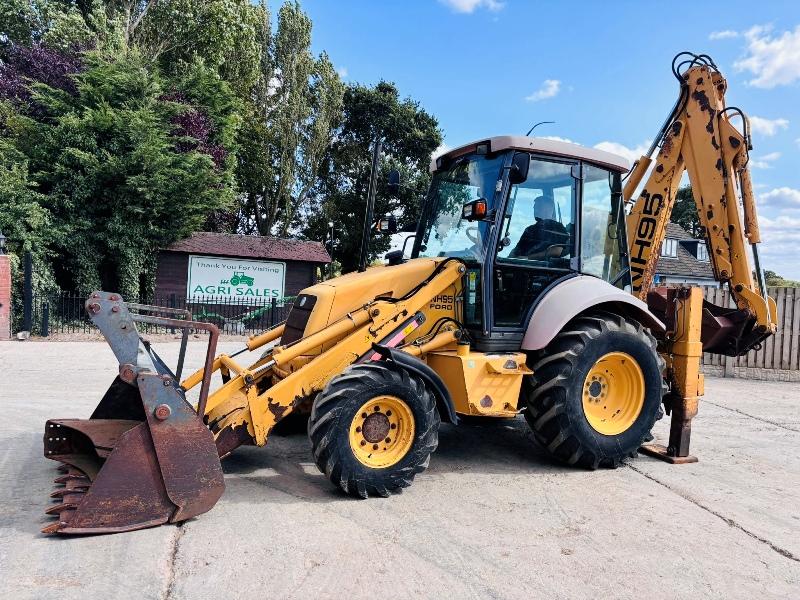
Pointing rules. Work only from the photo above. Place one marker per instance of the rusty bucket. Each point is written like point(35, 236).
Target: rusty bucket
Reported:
point(144, 457)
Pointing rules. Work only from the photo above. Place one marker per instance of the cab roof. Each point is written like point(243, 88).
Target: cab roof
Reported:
point(542, 146)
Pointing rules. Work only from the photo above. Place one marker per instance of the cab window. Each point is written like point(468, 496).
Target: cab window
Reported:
point(537, 240)
point(602, 226)
point(538, 226)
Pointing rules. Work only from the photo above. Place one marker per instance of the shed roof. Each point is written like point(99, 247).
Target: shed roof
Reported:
point(252, 246)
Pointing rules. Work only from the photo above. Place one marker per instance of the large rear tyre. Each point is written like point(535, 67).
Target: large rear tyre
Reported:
point(596, 391)
point(373, 428)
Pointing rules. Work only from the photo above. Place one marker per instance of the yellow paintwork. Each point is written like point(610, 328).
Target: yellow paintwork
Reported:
point(353, 311)
point(613, 393)
point(481, 384)
point(336, 297)
point(396, 425)
point(702, 141)
point(270, 335)
point(350, 319)
point(685, 348)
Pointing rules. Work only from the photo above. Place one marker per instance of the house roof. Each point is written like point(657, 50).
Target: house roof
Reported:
point(685, 264)
point(252, 246)
point(677, 232)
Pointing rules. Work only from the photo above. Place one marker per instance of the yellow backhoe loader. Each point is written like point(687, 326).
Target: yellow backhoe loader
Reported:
point(528, 290)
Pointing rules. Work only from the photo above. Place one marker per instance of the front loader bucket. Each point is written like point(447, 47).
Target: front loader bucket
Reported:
point(144, 458)
point(124, 474)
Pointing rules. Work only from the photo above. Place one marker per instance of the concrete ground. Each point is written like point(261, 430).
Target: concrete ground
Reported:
point(491, 518)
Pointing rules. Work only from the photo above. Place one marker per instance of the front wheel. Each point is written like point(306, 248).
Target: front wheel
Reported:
point(596, 391)
point(373, 428)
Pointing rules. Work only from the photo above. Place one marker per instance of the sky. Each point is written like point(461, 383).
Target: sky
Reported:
point(600, 70)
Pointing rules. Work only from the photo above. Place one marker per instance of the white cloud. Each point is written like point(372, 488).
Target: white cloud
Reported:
point(781, 237)
point(764, 162)
point(797, 141)
point(725, 34)
point(632, 154)
point(782, 197)
point(548, 89)
point(442, 149)
point(773, 60)
point(767, 127)
point(342, 71)
point(555, 138)
point(470, 6)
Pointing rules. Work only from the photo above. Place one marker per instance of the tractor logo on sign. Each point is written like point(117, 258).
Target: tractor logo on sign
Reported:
point(241, 278)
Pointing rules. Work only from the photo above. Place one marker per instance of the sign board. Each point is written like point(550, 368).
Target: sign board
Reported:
point(234, 278)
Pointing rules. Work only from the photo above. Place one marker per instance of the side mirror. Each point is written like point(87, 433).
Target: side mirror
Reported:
point(520, 165)
point(475, 210)
point(387, 225)
point(393, 185)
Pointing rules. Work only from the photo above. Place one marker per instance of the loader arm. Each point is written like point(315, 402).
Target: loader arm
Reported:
point(247, 407)
point(699, 137)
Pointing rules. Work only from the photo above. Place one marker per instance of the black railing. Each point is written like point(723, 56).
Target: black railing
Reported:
point(64, 313)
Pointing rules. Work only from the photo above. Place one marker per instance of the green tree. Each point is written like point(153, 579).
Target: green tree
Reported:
point(774, 280)
point(409, 135)
point(289, 124)
point(58, 24)
point(175, 32)
point(126, 165)
point(26, 223)
point(684, 212)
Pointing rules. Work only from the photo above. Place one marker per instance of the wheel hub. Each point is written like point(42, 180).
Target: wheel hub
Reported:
point(613, 393)
point(376, 427)
point(382, 432)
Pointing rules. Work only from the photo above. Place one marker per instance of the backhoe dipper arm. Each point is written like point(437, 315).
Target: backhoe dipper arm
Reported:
point(699, 137)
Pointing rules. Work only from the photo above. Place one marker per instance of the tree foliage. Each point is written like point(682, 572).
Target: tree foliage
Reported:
point(409, 137)
point(772, 279)
point(289, 123)
point(128, 124)
point(126, 164)
point(684, 212)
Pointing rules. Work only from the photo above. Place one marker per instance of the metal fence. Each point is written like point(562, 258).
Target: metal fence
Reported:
point(780, 351)
point(65, 313)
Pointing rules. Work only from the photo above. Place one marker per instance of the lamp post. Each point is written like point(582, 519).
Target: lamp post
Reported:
point(330, 228)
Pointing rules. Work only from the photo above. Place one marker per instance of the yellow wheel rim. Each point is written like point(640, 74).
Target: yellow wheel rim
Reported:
point(382, 432)
point(613, 393)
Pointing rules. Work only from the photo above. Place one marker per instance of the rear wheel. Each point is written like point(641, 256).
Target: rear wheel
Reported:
point(596, 391)
point(373, 429)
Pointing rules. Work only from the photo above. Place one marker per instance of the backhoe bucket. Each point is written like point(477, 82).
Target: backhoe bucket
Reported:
point(144, 458)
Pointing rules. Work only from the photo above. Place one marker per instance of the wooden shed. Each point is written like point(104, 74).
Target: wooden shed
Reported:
point(231, 266)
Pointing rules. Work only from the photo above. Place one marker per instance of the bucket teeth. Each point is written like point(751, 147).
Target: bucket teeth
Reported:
point(62, 468)
point(52, 528)
point(74, 485)
point(72, 477)
point(67, 491)
point(61, 506)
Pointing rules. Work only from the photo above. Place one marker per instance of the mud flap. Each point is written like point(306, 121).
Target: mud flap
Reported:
point(124, 474)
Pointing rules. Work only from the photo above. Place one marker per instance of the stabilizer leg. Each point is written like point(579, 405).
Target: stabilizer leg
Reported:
point(684, 323)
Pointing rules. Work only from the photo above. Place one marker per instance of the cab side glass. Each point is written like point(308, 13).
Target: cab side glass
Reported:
point(602, 231)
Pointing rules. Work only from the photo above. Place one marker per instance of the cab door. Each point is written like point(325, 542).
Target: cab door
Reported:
point(537, 245)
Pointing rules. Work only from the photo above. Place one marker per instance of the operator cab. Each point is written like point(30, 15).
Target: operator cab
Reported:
point(523, 213)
